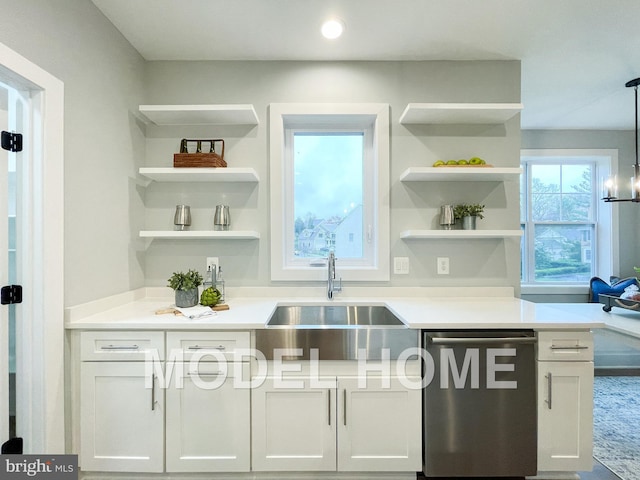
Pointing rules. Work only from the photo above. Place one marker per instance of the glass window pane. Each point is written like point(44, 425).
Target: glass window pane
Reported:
point(576, 207)
point(545, 178)
point(523, 191)
point(576, 178)
point(545, 207)
point(328, 207)
point(563, 253)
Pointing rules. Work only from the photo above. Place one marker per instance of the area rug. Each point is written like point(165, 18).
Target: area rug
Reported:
point(616, 425)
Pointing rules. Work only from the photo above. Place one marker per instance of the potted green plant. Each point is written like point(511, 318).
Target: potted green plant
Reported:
point(186, 287)
point(468, 213)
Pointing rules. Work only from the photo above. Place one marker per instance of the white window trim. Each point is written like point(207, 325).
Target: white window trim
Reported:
point(278, 115)
point(607, 263)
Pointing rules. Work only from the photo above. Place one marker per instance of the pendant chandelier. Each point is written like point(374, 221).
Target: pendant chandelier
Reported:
point(610, 184)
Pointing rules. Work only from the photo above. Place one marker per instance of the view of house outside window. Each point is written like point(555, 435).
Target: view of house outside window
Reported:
point(558, 216)
point(328, 194)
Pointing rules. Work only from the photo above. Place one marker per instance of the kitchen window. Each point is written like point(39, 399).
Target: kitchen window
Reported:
point(329, 168)
point(568, 230)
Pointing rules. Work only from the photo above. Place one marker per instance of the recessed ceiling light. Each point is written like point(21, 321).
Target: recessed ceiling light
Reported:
point(332, 28)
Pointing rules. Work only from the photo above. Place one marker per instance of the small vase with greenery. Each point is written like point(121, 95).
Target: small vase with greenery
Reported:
point(186, 287)
point(468, 213)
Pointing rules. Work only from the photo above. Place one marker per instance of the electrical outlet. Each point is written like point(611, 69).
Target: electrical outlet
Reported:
point(400, 265)
point(214, 264)
point(442, 265)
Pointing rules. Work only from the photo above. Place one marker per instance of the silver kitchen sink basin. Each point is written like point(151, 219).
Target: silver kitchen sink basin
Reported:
point(335, 332)
point(333, 316)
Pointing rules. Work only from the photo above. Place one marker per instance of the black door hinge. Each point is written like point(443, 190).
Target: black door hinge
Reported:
point(11, 294)
point(12, 141)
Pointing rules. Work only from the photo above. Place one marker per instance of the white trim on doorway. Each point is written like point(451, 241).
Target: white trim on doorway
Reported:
point(41, 336)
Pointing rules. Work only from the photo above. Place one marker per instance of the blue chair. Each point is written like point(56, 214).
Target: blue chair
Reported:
point(597, 286)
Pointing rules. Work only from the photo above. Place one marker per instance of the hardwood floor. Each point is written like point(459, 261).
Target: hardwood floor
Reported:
point(600, 472)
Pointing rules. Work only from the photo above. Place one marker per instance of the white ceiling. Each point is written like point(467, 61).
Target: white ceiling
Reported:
point(576, 54)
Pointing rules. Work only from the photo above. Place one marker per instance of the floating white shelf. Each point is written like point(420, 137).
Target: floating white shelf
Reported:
point(459, 113)
point(200, 174)
point(459, 174)
point(202, 234)
point(460, 234)
point(200, 114)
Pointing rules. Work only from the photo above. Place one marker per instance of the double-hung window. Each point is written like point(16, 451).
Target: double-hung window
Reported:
point(329, 178)
point(567, 228)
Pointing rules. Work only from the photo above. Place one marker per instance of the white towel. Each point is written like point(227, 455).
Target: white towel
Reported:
point(199, 311)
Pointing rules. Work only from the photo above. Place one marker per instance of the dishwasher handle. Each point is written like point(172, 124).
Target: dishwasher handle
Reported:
point(479, 340)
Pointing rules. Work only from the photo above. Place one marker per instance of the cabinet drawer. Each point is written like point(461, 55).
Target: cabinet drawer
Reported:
point(207, 344)
point(121, 346)
point(565, 346)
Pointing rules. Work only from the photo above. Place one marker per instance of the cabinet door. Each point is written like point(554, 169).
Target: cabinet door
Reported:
point(207, 421)
point(379, 427)
point(565, 416)
point(294, 429)
point(122, 421)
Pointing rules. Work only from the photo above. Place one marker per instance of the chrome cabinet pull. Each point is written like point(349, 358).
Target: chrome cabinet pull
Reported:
point(198, 347)
point(205, 374)
point(344, 410)
point(120, 347)
point(549, 399)
point(329, 406)
point(575, 347)
point(153, 393)
point(478, 340)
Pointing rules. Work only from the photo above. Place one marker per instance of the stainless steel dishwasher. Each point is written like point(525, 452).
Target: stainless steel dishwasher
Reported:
point(479, 409)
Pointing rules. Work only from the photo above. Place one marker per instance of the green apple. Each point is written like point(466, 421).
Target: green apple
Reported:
point(463, 162)
point(476, 161)
point(438, 163)
point(452, 162)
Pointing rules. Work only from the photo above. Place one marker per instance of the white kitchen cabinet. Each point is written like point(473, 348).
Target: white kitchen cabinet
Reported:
point(379, 427)
point(565, 401)
point(207, 428)
point(336, 427)
point(126, 413)
point(121, 419)
point(294, 429)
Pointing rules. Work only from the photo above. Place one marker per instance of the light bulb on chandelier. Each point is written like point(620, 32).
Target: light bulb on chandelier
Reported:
point(610, 184)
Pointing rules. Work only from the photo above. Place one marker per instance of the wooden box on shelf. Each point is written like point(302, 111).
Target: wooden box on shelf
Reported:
point(199, 158)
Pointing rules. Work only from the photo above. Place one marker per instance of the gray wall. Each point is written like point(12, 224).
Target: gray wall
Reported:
point(413, 206)
point(629, 214)
point(106, 203)
point(104, 144)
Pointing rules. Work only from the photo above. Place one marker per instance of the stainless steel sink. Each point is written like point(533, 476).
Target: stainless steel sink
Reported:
point(333, 316)
point(336, 332)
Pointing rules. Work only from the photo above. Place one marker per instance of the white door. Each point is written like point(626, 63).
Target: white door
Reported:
point(121, 421)
point(208, 422)
point(12, 112)
point(379, 427)
point(565, 416)
point(293, 429)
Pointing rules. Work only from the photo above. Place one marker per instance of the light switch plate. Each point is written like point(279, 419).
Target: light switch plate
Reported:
point(400, 265)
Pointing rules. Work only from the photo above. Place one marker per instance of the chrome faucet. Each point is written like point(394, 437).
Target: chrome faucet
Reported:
point(331, 278)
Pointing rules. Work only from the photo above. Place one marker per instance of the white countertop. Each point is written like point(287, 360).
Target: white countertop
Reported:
point(136, 311)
